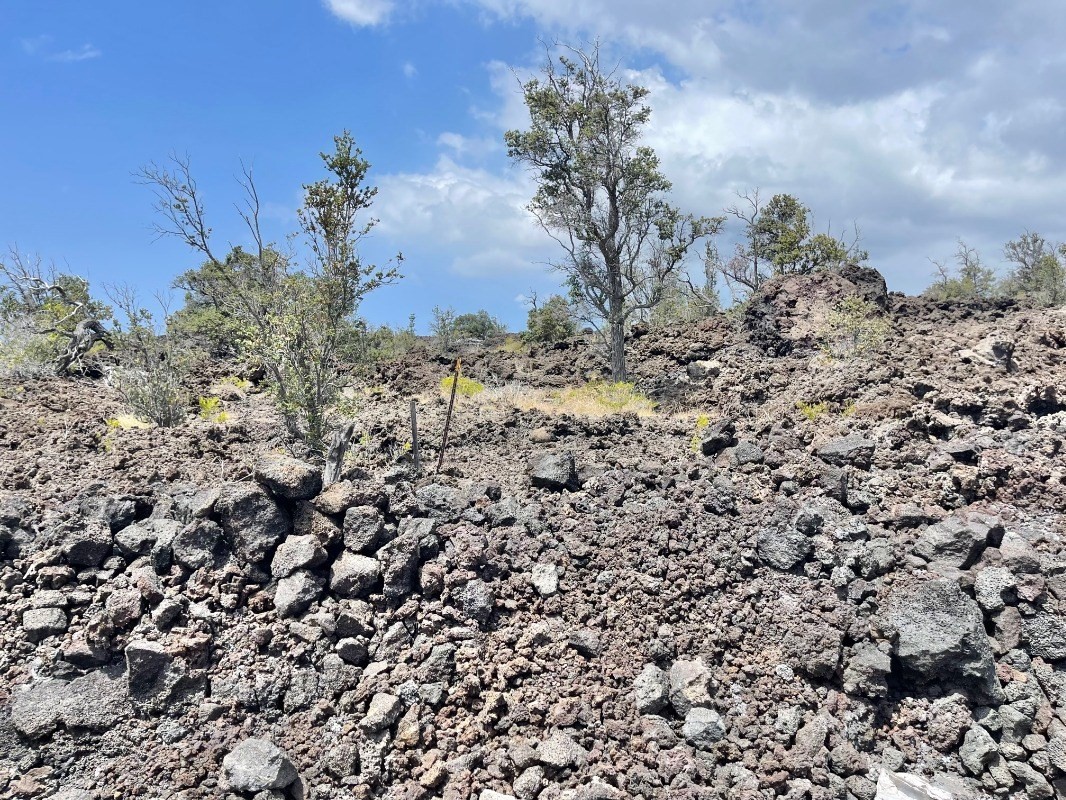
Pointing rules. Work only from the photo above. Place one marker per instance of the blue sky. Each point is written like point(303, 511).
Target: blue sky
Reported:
point(918, 121)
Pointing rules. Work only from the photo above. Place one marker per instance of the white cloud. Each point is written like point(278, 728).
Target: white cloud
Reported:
point(409, 70)
point(361, 12)
point(474, 218)
point(41, 47)
point(83, 53)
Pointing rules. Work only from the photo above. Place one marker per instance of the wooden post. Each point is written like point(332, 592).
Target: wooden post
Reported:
point(448, 418)
point(338, 448)
point(414, 436)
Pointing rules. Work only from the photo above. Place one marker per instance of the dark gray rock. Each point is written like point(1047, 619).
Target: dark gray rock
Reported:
point(152, 674)
point(1046, 633)
point(399, 561)
point(40, 623)
point(586, 642)
point(783, 548)
point(256, 765)
point(716, 437)
point(703, 727)
point(89, 545)
point(746, 453)
point(958, 541)
point(201, 543)
point(478, 601)
point(353, 575)
point(297, 552)
point(851, 450)
point(994, 587)
point(253, 521)
point(866, 671)
point(940, 633)
point(96, 701)
point(363, 529)
point(296, 593)
point(651, 690)
point(288, 477)
point(554, 471)
point(441, 502)
point(978, 750)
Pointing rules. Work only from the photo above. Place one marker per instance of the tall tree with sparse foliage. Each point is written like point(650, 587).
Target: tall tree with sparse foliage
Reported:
point(601, 194)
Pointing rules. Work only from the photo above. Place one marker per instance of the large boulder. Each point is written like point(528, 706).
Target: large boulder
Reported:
point(793, 310)
point(651, 690)
point(253, 521)
point(40, 623)
point(554, 471)
point(288, 477)
point(783, 548)
point(297, 552)
point(89, 545)
point(363, 529)
point(399, 562)
point(958, 541)
point(256, 765)
point(199, 544)
point(939, 633)
point(96, 701)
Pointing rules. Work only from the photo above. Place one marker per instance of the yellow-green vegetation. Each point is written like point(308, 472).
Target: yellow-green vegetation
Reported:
point(211, 410)
point(512, 344)
point(467, 387)
point(854, 327)
point(812, 411)
point(123, 422)
point(600, 397)
point(237, 383)
point(849, 409)
point(702, 422)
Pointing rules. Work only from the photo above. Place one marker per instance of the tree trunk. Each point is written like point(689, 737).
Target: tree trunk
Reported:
point(618, 349)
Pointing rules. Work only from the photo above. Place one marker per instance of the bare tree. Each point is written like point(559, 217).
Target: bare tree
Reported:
point(57, 305)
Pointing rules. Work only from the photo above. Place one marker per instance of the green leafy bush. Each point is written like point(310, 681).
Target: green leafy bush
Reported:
point(812, 411)
point(551, 322)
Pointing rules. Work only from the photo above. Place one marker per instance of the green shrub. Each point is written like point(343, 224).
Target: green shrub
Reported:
point(702, 423)
point(211, 410)
point(551, 322)
point(854, 327)
point(812, 411)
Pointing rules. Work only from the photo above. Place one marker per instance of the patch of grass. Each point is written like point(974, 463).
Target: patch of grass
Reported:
point(597, 398)
point(468, 387)
point(812, 411)
point(849, 409)
point(211, 410)
point(237, 383)
point(702, 422)
point(512, 344)
point(125, 422)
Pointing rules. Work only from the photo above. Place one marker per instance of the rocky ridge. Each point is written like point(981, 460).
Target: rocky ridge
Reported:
point(767, 606)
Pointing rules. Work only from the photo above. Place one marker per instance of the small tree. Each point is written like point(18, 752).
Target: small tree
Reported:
point(478, 326)
point(776, 240)
point(601, 194)
point(442, 327)
point(49, 317)
point(969, 279)
point(551, 321)
point(1037, 271)
point(151, 372)
point(291, 321)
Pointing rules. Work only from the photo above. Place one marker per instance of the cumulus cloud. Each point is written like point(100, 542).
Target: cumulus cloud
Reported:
point(920, 122)
point(361, 12)
point(476, 218)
